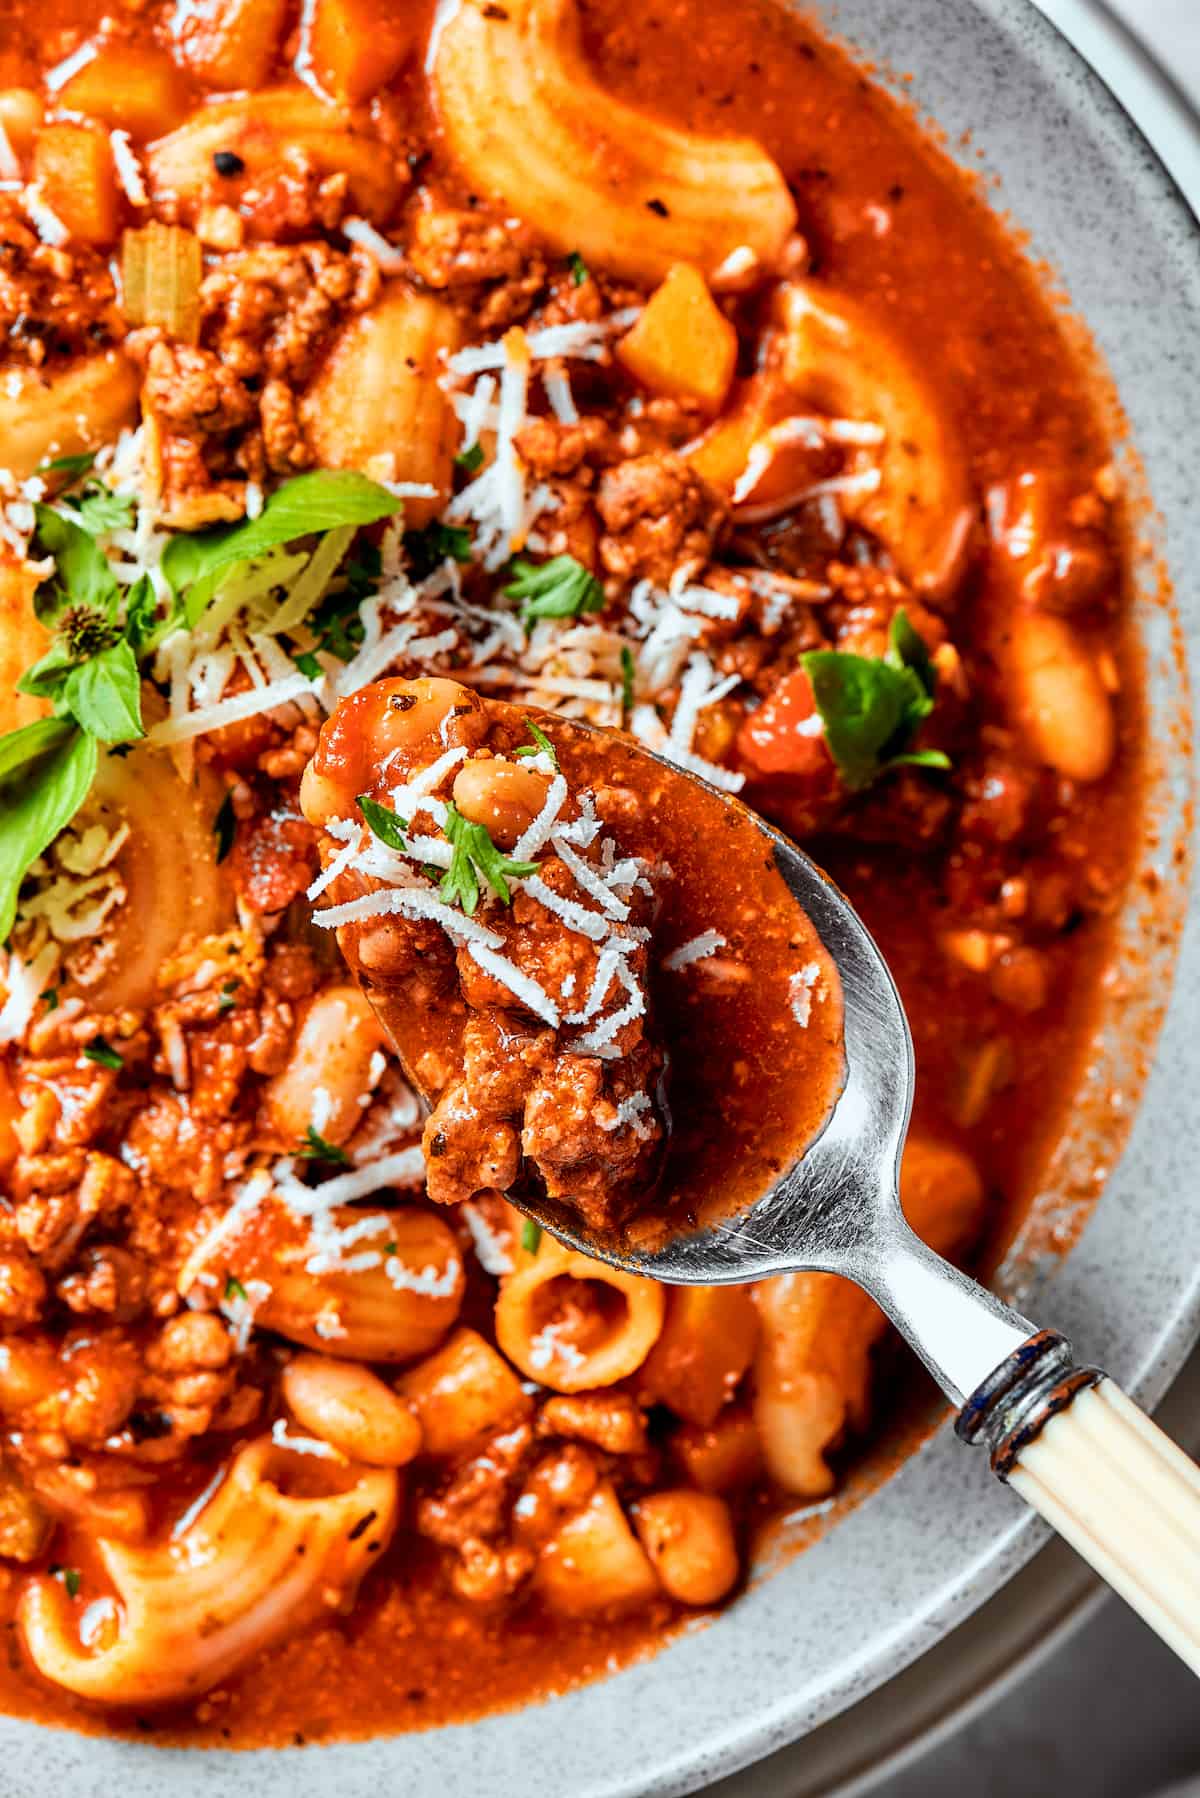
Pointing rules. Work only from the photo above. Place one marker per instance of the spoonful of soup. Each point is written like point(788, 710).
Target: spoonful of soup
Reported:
point(657, 1028)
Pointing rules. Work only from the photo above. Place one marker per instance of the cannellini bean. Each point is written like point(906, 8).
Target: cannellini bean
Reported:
point(411, 721)
point(689, 1539)
point(351, 1408)
point(502, 797)
point(327, 1072)
point(1060, 697)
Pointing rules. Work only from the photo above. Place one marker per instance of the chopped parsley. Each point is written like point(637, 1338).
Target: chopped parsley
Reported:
point(541, 744)
point(227, 999)
point(308, 664)
point(476, 857)
point(71, 466)
point(578, 267)
point(100, 1050)
point(382, 823)
point(234, 1288)
point(224, 827)
point(100, 510)
point(437, 543)
point(71, 1578)
point(470, 459)
point(872, 707)
point(531, 1236)
point(315, 1148)
point(560, 588)
point(49, 998)
point(391, 1248)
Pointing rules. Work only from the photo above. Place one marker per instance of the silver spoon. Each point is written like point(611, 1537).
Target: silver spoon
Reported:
point(1063, 1435)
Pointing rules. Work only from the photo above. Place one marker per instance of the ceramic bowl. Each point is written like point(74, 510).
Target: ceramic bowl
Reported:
point(931, 1543)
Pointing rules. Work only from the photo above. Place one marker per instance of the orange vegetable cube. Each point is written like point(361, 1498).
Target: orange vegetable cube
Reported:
point(721, 452)
point(233, 44)
point(682, 345)
point(355, 46)
point(135, 88)
point(73, 169)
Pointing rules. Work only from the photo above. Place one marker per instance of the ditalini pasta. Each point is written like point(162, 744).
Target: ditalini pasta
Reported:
point(253, 1564)
point(403, 410)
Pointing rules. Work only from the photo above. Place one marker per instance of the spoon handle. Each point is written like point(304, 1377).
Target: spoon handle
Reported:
point(1109, 1481)
point(1063, 1436)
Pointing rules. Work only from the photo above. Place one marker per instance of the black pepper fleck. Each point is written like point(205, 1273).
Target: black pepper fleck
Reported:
point(228, 162)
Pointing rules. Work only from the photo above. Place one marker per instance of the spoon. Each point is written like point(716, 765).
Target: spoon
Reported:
point(1063, 1435)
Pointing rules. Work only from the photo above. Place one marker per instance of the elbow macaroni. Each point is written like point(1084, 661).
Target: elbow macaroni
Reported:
point(533, 131)
point(252, 1566)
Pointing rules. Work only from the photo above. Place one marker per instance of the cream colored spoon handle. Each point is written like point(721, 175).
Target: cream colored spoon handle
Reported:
point(1128, 1500)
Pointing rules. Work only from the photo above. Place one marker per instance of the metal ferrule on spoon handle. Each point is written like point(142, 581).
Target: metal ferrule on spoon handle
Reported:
point(1064, 1436)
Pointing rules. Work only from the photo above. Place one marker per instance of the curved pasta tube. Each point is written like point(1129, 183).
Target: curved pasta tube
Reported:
point(254, 1565)
point(812, 1371)
point(839, 358)
point(572, 1323)
point(61, 412)
point(259, 128)
point(375, 403)
point(706, 1345)
point(172, 884)
point(534, 131)
point(398, 1309)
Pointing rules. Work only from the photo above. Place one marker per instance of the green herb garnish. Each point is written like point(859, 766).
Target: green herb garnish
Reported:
point(224, 827)
point(626, 682)
point(72, 466)
point(101, 510)
point(49, 998)
point(426, 550)
point(228, 997)
point(578, 267)
point(315, 1148)
point(100, 1050)
point(560, 588)
point(234, 1288)
point(46, 769)
point(71, 1578)
point(475, 855)
point(382, 823)
point(470, 459)
point(308, 664)
point(872, 707)
point(531, 1236)
point(541, 744)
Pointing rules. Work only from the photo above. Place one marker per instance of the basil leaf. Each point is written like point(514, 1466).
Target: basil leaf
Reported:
point(104, 695)
point(310, 503)
point(47, 678)
point(35, 803)
point(82, 574)
point(872, 707)
point(32, 740)
point(141, 614)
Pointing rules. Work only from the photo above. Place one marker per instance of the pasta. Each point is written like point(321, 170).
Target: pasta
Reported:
point(689, 1539)
point(78, 407)
point(706, 1345)
point(256, 130)
point(395, 1310)
point(533, 131)
point(376, 404)
point(22, 640)
point(813, 1366)
point(572, 1323)
point(247, 1569)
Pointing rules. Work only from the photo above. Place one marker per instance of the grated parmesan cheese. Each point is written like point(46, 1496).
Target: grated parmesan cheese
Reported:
point(707, 943)
point(802, 989)
point(129, 169)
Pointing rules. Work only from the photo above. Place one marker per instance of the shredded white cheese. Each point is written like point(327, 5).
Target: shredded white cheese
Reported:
point(707, 943)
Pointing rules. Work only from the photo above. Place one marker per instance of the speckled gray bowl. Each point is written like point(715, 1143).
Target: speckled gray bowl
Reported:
point(935, 1540)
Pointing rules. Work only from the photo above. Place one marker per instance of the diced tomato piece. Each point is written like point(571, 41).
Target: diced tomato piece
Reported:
point(784, 736)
